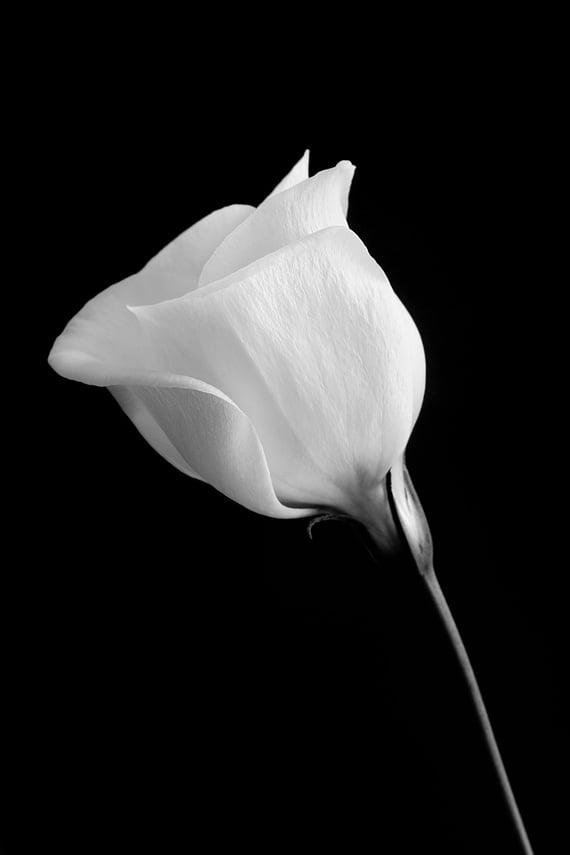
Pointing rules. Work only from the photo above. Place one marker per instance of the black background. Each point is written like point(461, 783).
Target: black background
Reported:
point(180, 674)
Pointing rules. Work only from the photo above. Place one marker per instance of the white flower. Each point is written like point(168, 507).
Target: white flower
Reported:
point(264, 352)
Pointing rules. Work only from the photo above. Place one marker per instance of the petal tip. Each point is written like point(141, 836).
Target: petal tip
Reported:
point(73, 364)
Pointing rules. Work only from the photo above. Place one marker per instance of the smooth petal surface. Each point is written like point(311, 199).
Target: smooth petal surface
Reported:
point(190, 423)
point(186, 255)
point(314, 346)
point(132, 404)
point(104, 335)
point(204, 434)
point(300, 172)
point(303, 209)
point(196, 428)
point(101, 343)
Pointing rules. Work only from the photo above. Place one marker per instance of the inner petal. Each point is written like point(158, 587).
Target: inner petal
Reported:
point(303, 209)
point(104, 338)
point(300, 172)
point(186, 255)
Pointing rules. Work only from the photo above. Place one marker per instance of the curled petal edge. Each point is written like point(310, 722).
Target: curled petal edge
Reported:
point(217, 441)
point(196, 427)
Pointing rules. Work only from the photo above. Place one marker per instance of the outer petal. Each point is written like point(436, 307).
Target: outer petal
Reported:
point(103, 341)
point(104, 334)
point(312, 343)
point(204, 434)
point(135, 408)
point(417, 360)
point(212, 438)
point(300, 172)
point(194, 425)
point(171, 273)
point(294, 213)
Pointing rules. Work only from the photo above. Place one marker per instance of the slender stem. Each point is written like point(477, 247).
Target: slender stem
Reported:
point(413, 527)
point(444, 611)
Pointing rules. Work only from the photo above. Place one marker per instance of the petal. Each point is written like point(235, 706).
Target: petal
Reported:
point(133, 405)
point(104, 333)
point(203, 433)
point(314, 346)
point(212, 438)
point(190, 423)
point(417, 359)
point(294, 213)
point(219, 442)
point(300, 172)
point(102, 342)
point(187, 254)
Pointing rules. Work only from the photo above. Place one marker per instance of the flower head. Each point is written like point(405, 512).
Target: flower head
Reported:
point(264, 352)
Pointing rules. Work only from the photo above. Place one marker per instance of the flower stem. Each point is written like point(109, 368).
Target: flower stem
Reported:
point(414, 531)
point(433, 587)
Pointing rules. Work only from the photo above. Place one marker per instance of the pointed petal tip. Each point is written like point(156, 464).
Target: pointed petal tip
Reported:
point(298, 173)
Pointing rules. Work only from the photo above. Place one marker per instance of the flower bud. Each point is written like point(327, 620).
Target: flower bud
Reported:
point(264, 352)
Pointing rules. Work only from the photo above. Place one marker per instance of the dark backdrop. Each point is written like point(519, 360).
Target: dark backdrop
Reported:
point(177, 669)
